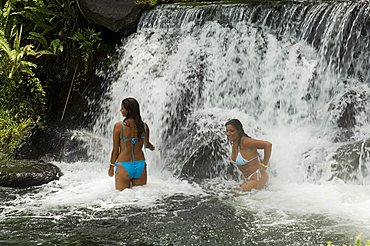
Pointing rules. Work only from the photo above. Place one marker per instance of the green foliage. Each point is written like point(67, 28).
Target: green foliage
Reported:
point(21, 93)
point(14, 57)
point(358, 242)
point(13, 133)
point(40, 42)
point(88, 41)
point(146, 3)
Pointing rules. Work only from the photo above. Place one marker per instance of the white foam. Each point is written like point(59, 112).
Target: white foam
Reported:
point(346, 205)
point(87, 185)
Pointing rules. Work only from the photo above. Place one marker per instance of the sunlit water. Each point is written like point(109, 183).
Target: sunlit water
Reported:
point(242, 72)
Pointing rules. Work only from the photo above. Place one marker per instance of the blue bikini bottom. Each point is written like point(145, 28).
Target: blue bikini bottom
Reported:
point(133, 168)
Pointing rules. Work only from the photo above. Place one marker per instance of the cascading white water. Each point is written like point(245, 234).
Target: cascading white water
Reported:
point(200, 73)
point(192, 69)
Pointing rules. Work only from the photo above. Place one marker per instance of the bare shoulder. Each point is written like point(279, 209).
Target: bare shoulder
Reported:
point(246, 140)
point(129, 122)
point(118, 124)
point(254, 143)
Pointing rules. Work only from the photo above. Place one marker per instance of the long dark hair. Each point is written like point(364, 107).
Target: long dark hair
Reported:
point(239, 128)
point(133, 111)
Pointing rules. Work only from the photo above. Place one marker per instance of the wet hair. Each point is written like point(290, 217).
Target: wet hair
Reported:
point(133, 111)
point(239, 128)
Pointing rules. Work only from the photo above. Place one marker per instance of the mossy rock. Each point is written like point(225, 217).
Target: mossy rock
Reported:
point(27, 173)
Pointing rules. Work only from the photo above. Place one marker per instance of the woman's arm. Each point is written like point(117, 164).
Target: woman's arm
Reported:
point(115, 150)
point(266, 153)
point(148, 144)
point(260, 144)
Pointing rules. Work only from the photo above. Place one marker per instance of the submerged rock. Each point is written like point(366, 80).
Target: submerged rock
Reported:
point(27, 173)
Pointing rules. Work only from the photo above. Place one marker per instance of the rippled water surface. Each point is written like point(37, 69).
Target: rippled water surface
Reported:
point(192, 69)
point(88, 211)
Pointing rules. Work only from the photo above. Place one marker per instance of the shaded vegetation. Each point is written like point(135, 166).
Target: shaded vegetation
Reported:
point(44, 45)
point(358, 242)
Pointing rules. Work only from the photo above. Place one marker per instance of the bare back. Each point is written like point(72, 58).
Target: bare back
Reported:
point(126, 139)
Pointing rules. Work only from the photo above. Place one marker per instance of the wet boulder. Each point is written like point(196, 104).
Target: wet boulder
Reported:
point(352, 161)
point(55, 144)
point(344, 110)
point(198, 150)
point(207, 160)
point(27, 173)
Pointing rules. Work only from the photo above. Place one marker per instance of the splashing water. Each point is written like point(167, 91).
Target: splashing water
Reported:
point(190, 79)
point(192, 69)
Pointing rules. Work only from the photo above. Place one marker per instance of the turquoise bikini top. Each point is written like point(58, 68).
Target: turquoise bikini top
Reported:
point(133, 140)
point(240, 161)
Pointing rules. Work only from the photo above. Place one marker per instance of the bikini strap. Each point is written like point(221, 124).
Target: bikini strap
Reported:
point(123, 128)
point(257, 172)
point(144, 137)
point(133, 140)
point(123, 132)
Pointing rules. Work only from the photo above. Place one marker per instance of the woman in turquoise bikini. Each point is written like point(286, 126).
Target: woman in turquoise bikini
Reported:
point(129, 137)
point(244, 155)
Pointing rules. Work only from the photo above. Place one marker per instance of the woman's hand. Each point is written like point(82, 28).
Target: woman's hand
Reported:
point(111, 171)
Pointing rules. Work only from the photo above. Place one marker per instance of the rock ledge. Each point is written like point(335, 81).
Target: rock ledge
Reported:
point(27, 173)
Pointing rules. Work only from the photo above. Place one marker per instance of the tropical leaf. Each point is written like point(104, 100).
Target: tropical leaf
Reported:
point(17, 40)
point(4, 45)
point(29, 51)
point(40, 38)
point(28, 64)
point(40, 10)
point(56, 46)
point(44, 52)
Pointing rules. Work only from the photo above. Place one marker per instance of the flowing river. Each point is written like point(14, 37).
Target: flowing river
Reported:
point(287, 71)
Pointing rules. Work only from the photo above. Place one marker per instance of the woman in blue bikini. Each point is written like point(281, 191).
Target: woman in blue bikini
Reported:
point(244, 155)
point(129, 137)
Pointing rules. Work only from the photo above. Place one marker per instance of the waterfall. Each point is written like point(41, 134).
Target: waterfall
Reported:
point(293, 74)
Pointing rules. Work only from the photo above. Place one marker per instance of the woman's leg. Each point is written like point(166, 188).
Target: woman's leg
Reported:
point(255, 182)
point(122, 178)
point(140, 180)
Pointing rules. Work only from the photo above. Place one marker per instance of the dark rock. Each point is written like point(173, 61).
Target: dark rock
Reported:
point(115, 15)
point(345, 110)
point(53, 144)
point(206, 161)
point(351, 161)
point(27, 173)
point(199, 150)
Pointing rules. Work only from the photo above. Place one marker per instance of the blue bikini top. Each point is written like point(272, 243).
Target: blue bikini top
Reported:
point(240, 161)
point(133, 140)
